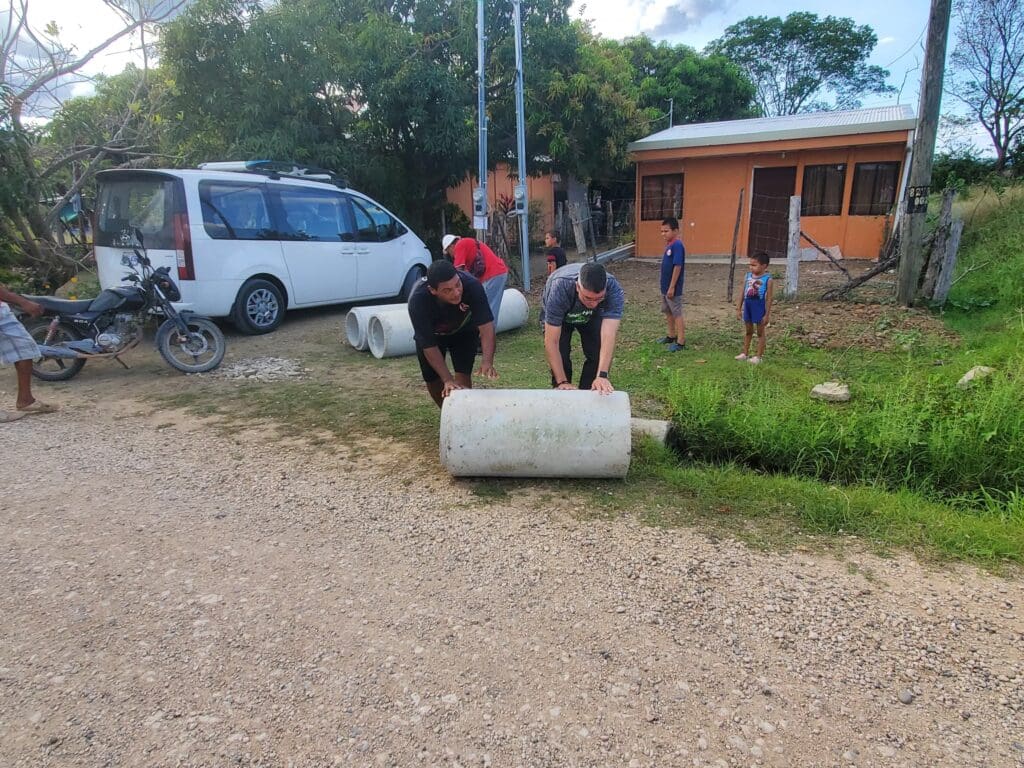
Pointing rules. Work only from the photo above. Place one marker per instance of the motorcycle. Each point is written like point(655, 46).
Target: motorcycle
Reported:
point(112, 323)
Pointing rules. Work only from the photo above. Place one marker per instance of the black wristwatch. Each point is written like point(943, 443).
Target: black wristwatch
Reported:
point(602, 374)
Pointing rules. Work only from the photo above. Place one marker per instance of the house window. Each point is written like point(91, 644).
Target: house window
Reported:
point(822, 193)
point(661, 197)
point(874, 188)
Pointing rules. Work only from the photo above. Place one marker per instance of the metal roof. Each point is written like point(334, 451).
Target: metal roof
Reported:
point(806, 125)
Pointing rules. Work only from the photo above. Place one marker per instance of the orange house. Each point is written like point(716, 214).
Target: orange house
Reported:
point(501, 182)
point(849, 169)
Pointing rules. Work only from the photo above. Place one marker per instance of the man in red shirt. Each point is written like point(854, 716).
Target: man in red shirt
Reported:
point(470, 255)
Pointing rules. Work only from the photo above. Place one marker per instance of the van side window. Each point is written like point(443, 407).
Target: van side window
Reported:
point(235, 211)
point(314, 214)
point(374, 223)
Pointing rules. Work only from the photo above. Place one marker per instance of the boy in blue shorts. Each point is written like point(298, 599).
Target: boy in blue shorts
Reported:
point(755, 306)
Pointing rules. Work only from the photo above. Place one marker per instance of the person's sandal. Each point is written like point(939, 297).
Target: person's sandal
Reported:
point(741, 356)
point(9, 416)
point(754, 360)
point(37, 406)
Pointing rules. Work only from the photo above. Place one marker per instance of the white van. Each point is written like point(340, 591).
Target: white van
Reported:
point(250, 240)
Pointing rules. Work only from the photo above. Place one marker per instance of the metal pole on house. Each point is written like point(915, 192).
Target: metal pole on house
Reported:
point(522, 203)
point(671, 104)
point(480, 192)
point(912, 235)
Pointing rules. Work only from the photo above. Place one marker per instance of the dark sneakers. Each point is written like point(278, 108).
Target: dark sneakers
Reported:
point(667, 340)
point(673, 347)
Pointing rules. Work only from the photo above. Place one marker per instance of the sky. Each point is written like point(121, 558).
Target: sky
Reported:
point(900, 28)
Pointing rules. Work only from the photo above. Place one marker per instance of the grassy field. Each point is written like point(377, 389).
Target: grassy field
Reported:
point(911, 462)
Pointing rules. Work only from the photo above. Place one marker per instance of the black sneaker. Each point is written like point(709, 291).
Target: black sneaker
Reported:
point(667, 340)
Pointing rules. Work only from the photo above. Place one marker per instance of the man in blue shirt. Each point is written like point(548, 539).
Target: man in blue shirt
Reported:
point(673, 263)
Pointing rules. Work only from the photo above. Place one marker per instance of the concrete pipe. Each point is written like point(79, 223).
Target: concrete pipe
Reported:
point(513, 312)
point(358, 319)
point(535, 433)
point(389, 332)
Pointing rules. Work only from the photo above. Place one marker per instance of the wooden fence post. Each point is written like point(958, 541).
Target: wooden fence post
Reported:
point(945, 279)
point(735, 240)
point(577, 230)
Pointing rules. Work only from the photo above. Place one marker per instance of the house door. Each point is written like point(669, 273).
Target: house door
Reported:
point(769, 210)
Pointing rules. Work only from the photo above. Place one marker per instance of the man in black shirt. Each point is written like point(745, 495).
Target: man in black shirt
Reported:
point(450, 314)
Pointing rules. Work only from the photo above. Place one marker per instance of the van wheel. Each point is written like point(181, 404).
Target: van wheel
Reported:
point(259, 307)
point(414, 276)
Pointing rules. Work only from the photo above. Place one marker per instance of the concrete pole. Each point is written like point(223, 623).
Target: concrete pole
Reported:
point(912, 234)
point(524, 207)
point(793, 248)
point(480, 193)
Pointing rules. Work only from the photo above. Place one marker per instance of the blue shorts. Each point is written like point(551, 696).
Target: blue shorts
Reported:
point(753, 311)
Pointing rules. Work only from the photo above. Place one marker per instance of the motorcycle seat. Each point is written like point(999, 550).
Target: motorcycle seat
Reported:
point(61, 306)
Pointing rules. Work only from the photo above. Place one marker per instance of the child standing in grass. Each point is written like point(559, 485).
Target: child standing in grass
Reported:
point(755, 305)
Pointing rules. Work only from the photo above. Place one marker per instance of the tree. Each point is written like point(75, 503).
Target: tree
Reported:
point(34, 65)
point(386, 90)
point(987, 72)
point(803, 63)
point(702, 88)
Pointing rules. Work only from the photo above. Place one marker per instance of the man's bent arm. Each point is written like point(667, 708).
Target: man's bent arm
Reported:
point(436, 360)
point(609, 333)
point(552, 334)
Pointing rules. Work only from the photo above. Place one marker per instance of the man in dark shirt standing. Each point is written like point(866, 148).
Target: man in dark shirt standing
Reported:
point(450, 314)
point(585, 298)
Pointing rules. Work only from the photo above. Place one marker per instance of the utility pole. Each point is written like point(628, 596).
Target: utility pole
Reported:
point(671, 104)
point(480, 191)
point(912, 233)
point(521, 202)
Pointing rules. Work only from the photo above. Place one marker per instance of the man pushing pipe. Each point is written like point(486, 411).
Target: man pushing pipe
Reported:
point(583, 298)
point(450, 315)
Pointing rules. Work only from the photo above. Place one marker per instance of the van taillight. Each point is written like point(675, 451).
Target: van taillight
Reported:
point(183, 247)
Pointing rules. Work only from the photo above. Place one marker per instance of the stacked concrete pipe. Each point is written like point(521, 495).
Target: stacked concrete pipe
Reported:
point(535, 433)
point(389, 332)
point(358, 319)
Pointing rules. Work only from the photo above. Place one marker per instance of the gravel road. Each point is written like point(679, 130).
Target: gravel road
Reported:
point(175, 596)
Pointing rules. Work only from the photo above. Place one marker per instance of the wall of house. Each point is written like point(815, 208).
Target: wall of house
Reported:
point(714, 176)
point(502, 181)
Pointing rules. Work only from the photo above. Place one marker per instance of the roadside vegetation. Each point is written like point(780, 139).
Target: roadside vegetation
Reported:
point(912, 461)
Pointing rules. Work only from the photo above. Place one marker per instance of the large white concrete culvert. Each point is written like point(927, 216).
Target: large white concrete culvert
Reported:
point(358, 319)
point(389, 332)
point(535, 433)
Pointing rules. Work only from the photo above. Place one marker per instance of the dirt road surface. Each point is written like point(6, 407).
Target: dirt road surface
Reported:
point(174, 595)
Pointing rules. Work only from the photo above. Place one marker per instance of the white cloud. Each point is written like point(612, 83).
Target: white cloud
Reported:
point(887, 40)
point(657, 18)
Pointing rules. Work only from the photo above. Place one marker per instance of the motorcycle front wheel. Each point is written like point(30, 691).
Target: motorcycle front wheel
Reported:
point(55, 368)
point(200, 350)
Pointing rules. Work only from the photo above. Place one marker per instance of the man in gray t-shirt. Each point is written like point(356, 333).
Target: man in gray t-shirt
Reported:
point(584, 298)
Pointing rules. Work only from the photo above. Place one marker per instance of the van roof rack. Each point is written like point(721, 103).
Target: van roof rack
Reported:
point(277, 169)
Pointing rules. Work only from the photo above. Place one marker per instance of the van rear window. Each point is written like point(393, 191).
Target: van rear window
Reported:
point(146, 203)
